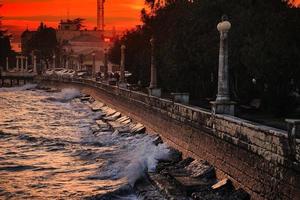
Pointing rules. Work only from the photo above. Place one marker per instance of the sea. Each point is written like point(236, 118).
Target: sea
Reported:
point(48, 149)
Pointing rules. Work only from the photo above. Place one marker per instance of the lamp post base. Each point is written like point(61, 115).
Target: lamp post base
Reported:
point(123, 85)
point(154, 92)
point(225, 107)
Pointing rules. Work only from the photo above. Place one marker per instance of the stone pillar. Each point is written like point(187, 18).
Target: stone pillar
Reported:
point(223, 105)
point(153, 89)
point(26, 64)
point(122, 66)
point(34, 64)
point(105, 64)
point(17, 63)
point(94, 64)
point(54, 62)
point(7, 64)
point(293, 128)
point(22, 63)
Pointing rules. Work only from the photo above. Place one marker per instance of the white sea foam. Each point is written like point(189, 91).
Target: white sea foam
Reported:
point(20, 88)
point(65, 95)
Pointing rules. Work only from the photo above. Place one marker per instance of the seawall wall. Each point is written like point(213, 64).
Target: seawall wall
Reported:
point(257, 158)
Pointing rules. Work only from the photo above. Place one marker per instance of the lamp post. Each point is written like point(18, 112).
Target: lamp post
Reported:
point(7, 64)
point(17, 63)
point(26, 64)
point(223, 105)
point(22, 63)
point(153, 89)
point(94, 64)
point(105, 64)
point(54, 62)
point(34, 63)
point(122, 67)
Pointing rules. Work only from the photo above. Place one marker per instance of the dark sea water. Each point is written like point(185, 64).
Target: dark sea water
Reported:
point(48, 150)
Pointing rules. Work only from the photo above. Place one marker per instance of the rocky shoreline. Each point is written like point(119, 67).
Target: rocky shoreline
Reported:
point(175, 178)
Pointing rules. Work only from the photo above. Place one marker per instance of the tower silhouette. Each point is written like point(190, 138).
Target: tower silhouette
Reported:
point(100, 14)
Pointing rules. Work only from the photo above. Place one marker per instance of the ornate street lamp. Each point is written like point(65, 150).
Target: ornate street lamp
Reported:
point(223, 105)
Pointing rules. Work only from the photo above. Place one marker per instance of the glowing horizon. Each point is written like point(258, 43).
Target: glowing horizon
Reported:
point(17, 14)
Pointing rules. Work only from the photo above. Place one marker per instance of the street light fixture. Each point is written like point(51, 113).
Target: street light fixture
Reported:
point(223, 105)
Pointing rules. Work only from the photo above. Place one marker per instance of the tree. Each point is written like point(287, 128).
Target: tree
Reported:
point(44, 43)
point(264, 44)
point(5, 47)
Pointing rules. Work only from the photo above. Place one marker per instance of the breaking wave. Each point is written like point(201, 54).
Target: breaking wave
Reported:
point(65, 95)
point(21, 88)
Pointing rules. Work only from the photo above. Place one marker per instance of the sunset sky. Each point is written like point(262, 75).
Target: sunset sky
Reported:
point(18, 14)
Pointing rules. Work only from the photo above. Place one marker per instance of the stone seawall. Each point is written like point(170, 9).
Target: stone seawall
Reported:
point(256, 157)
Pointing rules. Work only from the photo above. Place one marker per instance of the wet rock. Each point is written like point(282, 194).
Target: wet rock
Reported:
point(174, 156)
point(157, 140)
point(223, 187)
point(113, 117)
point(138, 128)
point(239, 194)
point(167, 187)
point(201, 169)
point(147, 191)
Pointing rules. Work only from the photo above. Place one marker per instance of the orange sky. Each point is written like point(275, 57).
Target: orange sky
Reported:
point(18, 14)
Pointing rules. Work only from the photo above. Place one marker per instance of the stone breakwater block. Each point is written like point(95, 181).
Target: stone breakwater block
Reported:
point(113, 117)
point(110, 112)
point(201, 169)
point(223, 187)
point(167, 186)
point(123, 119)
point(174, 156)
point(157, 140)
point(101, 124)
point(96, 106)
point(145, 190)
point(190, 184)
point(95, 128)
point(138, 128)
point(239, 194)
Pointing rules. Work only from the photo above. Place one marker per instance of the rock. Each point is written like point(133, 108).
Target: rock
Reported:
point(113, 117)
point(138, 128)
point(167, 186)
point(223, 187)
point(101, 124)
point(190, 184)
point(157, 140)
point(174, 156)
point(201, 169)
point(122, 119)
point(239, 194)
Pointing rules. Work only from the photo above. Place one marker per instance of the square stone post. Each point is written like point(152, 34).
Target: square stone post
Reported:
point(153, 89)
point(26, 64)
point(17, 63)
point(22, 63)
point(34, 64)
point(54, 62)
point(94, 64)
point(7, 64)
point(293, 128)
point(223, 105)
